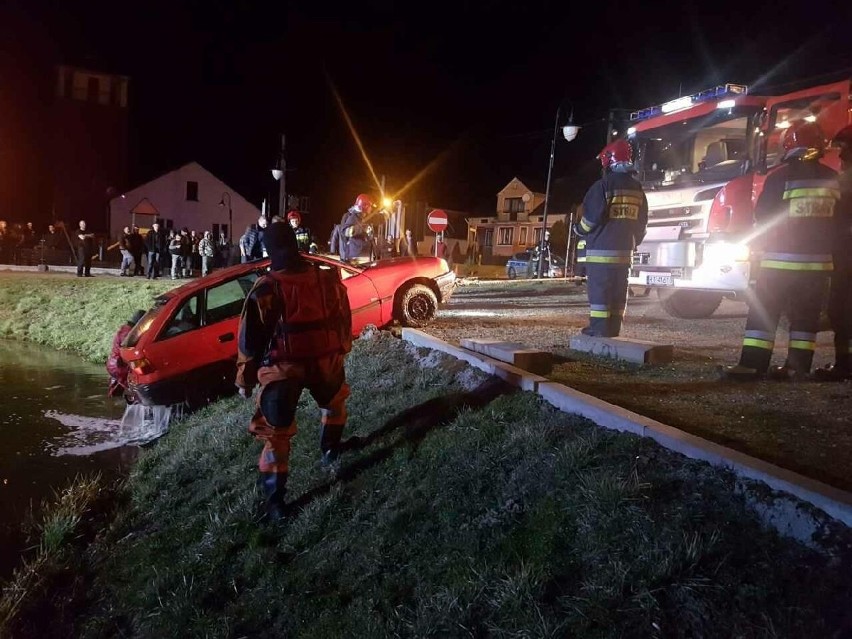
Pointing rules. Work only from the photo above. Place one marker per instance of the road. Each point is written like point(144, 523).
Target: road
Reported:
point(806, 427)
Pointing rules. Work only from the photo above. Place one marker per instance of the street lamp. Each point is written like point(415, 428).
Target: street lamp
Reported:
point(569, 132)
point(230, 214)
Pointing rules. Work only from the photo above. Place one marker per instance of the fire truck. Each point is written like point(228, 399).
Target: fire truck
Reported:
point(702, 160)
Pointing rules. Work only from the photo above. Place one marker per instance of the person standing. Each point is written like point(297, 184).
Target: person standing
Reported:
point(85, 250)
point(126, 255)
point(795, 232)
point(294, 333)
point(155, 244)
point(176, 251)
point(615, 217)
point(840, 289)
point(207, 252)
point(408, 245)
point(137, 249)
point(353, 229)
point(388, 248)
point(303, 235)
point(258, 250)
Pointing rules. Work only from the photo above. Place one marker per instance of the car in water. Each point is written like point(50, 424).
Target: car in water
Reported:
point(184, 349)
point(517, 266)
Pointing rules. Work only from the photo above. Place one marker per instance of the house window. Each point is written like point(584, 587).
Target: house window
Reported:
point(537, 234)
point(513, 205)
point(488, 240)
point(192, 191)
point(504, 235)
point(522, 239)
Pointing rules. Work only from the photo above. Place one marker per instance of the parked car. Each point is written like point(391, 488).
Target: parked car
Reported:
point(184, 349)
point(519, 263)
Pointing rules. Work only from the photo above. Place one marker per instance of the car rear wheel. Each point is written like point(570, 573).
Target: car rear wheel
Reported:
point(512, 273)
point(417, 306)
point(689, 304)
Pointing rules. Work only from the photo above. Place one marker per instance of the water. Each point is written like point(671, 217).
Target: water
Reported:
point(55, 422)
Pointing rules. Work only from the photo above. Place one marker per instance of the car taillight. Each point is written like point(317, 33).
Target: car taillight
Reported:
point(141, 366)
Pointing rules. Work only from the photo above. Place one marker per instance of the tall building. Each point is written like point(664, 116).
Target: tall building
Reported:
point(88, 149)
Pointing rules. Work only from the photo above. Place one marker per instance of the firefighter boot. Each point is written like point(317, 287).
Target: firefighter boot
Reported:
point(738, 373)
point(274, 487)
point(330, 436)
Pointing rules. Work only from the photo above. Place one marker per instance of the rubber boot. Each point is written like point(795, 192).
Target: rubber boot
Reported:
point(274, 488)
point(330, 436)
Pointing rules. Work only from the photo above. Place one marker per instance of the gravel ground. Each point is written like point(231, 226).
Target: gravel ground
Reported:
point(804, 426)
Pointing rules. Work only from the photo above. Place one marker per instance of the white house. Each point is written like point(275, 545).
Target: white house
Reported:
point(189, 196)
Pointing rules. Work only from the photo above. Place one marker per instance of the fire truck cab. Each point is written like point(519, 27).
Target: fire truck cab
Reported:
point(702, 160)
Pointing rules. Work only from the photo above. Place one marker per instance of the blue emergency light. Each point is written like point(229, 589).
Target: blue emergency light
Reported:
point(679, 104)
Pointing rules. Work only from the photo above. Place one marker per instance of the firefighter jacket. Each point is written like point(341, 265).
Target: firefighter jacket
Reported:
point(290, 316)
point(356, 243)
point(303, 238)
point(843, 238)
point(615, 214)
point(795, 217)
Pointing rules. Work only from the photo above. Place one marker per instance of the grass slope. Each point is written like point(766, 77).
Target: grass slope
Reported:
point(68, 313)
point(466, 513)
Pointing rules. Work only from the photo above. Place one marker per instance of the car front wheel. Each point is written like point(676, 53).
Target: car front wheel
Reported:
point(512, 273)
point(417, 306)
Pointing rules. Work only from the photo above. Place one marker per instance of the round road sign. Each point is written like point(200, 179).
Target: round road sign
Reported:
point(437, 220)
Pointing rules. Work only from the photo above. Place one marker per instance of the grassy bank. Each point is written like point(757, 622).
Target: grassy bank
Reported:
point(465, 511)
point(68, 313)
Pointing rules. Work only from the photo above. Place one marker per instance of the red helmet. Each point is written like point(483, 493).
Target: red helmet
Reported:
point(843, 140)
point(803, 140)
point(617, 155)
point(363, 203)
point(294, 215)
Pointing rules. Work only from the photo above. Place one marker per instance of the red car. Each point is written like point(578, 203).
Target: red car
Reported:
point(185, 348)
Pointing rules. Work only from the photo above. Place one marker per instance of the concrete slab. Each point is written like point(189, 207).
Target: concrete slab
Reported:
point(631, 350)
point(514, 353)
point(512, 374)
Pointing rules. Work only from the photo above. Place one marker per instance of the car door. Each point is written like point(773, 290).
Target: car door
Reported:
point(223, 304)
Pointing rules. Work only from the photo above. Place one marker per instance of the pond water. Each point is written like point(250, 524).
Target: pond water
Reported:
point(56, 422)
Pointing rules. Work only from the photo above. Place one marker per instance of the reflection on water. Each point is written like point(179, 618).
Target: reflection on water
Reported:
point(56, 422)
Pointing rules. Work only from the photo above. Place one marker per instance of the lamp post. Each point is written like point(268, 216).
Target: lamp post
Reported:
point(230, 214)
point(569, 132)
point(280, 175)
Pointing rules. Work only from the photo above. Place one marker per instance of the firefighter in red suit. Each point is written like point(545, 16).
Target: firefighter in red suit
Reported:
point(295, 330)
point(796, 225)
point(615, 214)
point(117, 367)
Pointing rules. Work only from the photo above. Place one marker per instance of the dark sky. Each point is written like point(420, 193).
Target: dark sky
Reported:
point(468, 88)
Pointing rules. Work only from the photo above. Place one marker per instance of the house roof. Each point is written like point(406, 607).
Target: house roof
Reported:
point(533, 185)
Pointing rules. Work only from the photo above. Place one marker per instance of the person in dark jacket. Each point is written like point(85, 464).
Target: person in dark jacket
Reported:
point(137, 250)
point(408, 245)
point(796, 224)
point(840, 290)
point(295, 331)
point(155, 243)
point(126, 255)
point(85, 250)
point(615, 216)
point(357, 245)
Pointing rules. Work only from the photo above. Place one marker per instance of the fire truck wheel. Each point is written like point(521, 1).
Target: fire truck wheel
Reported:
point(689, 304)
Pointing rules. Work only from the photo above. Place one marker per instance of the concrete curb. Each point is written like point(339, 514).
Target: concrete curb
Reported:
point(95, 270)
point(834, 502)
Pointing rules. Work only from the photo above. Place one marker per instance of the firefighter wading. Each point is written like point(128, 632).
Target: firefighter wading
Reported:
point(796, 227)
point(295, 329)
point(615, 214)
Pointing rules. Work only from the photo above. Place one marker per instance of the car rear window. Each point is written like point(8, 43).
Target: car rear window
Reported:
point(144, 324)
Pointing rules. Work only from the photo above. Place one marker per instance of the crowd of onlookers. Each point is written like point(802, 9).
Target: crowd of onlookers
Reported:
point(179, 252)
point(18, 240)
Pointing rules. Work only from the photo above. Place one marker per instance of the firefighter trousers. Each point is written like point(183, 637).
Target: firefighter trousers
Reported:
point(798, 294)
point(607, 290)
point(274, 420)
point(840, 311)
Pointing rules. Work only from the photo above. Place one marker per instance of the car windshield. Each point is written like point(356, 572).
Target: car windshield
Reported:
point(712, 148)
point(144, 324)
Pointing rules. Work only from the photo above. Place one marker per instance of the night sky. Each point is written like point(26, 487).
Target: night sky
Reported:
point(469, 89)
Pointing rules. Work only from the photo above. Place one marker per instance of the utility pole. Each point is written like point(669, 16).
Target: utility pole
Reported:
point(282, 185)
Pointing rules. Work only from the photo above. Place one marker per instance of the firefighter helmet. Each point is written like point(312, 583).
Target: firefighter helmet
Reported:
point(803, 140)
point(294, 215)
point(843, 141)
point(617, 156)
point(363, 203)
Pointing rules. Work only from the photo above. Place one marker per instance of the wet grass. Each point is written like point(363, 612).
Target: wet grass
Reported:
point(466, 510)
point(67, 313)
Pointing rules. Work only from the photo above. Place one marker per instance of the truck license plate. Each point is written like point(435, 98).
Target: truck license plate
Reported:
point(660, 279)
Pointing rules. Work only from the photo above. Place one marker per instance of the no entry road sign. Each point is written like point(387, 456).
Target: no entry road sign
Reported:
point(437, 221)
